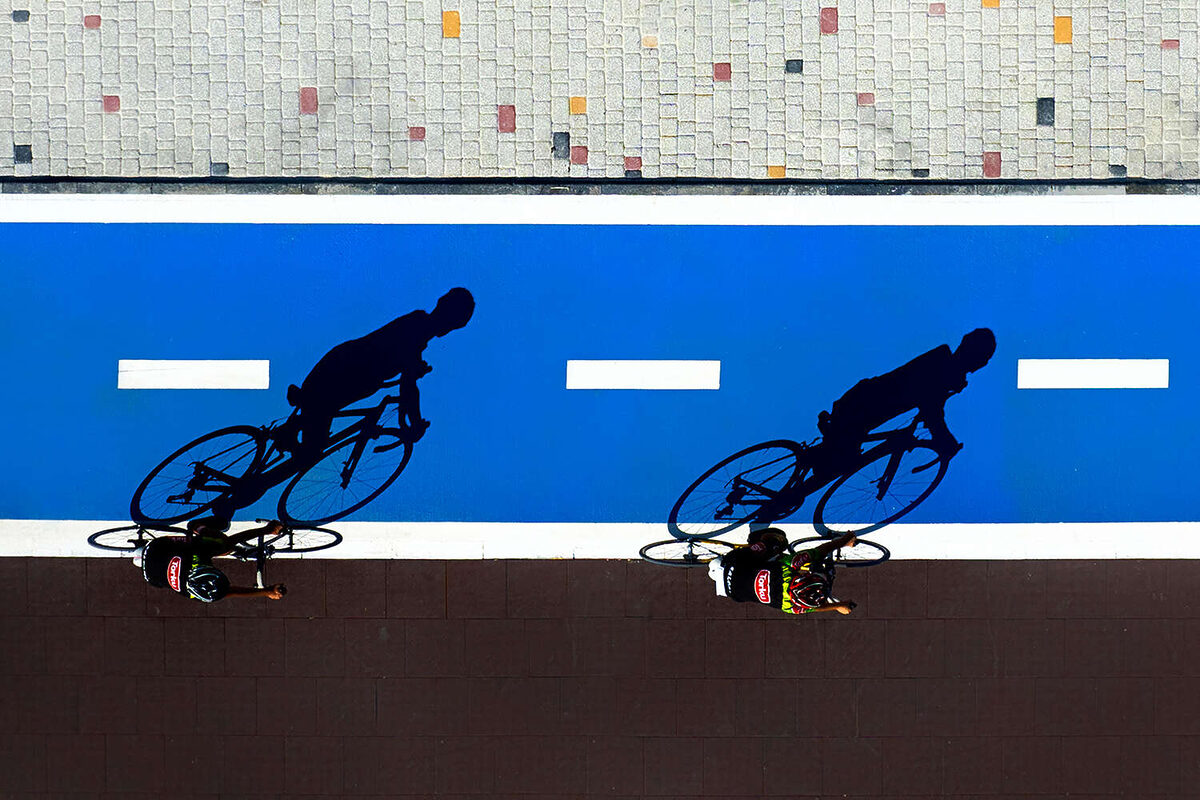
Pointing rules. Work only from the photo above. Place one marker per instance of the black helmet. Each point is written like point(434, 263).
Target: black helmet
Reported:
point(207, 583)
point(976, 348)
point(454, 308)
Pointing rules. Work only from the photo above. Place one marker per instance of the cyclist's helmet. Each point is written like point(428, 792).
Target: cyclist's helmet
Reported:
point(810, 590)
point(454, 308)
point(207, 583)
point(976, 348)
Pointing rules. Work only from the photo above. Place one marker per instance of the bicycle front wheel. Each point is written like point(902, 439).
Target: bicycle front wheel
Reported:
point(128, 538)
point(304, 540)
point(745, 486)
point(880, 491)
point(196, 476)
point(860, 554)
point(338, 485)
point(685, 552)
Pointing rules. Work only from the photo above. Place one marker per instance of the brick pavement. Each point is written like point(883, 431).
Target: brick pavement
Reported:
point(576, 679)
point(749, 89)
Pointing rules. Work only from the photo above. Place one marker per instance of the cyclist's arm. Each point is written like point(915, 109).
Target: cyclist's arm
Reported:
point(273, 592)
point(843, 606)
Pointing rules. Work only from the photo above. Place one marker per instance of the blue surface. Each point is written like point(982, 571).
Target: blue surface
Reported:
point(796, 316)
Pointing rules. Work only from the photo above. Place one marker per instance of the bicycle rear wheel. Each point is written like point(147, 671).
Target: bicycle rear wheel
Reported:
point(685, 552)
point(743, 487)
point(183, 486)
point(304, 540)
point(128, 538)
point(860, 554)
point(332, 487)
point(855, 503)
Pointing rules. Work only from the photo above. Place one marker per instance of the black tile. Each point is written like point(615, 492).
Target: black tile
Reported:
point(633, 173)
point(20, 16)
point(22, 154)
point(219, 168)
point(794, 65)
point(1045, 111)
point(1117, 170)
point(920, 173)
point(562, 145)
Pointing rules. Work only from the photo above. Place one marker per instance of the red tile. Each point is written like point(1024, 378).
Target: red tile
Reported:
point(852, 767)
point(734, 649)
point(971, 765)
point(536, 588)
point(74, 763)
point(375, 647)
point(421, 706)
point(476, 589)
point(1170, 44)
point(614, 765)
point(134, 764)
point(592, 585)
point(91, 21)
point(672, 766)
point(434, 647)
point(346, 706)
point(254, 647)
point(829, 20)
point(915, 648)
point(781, 775)
point(388, 766)
point(866, 98)
point(578, 154)
point(195, 646)
point(314, 764)
point(461, 764)
point(675, 649)
point(416, 589)
point(526, 760)
point(766, 708)
point(513, 706)
point(416, 134)
point(506, 119)
point(14, 591)
point(713, 716)
point(911, 765)
point(633, 162)
point(308, 100)
point(112, 103)
point(646, 707)
point(314, 647)
point(722, 71)
point(286, 706)
point(355, 588)
point(253, 765)
point(496, 647)
point(732, 767)
point(991, 164)
point(937, 9)
point(654, 592)
point(794, 650)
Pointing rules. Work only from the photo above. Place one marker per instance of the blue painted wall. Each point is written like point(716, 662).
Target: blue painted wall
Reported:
point(795, 315)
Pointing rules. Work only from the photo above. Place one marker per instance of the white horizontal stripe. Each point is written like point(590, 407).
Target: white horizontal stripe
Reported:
point(145, 374)
point(1093, 373)
point(476, 540)
point(643, 374)
point(920, 210)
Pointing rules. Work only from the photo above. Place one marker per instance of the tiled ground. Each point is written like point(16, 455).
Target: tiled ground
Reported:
point(557, 679)
point(757, 89)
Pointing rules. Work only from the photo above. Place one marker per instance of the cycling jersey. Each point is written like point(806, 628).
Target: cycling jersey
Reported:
point(171, 562)
point(779, 582)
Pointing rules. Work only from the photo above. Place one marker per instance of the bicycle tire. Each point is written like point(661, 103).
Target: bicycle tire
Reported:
point(781, 469)
point(321, 502)
point(303, 540)
point(851, 503)
point(684, 552)
point(240, 454)
point(128, 538)
point(861, 554)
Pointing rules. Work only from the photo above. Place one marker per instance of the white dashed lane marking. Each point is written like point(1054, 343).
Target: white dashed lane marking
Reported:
point(176, 374)
point(1093, 373)
point(643, 374)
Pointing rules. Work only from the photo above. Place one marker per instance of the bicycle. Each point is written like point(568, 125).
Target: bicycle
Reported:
point(233, 467)
point(128, 538)
point(699, 551)
point(770, 481)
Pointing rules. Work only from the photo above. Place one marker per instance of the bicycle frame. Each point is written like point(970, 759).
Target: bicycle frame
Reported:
point(819, 473)
point(276, 465)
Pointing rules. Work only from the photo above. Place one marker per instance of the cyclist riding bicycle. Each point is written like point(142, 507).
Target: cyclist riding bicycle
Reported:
point(925, 383)
point(762, 571)
point(185, 564)
point(357, 369)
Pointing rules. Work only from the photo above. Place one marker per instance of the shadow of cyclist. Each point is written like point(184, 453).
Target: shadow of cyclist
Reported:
point(924, 384)
point(357, 369)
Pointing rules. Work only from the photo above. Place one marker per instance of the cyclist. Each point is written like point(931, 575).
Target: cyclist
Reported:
point(761, 571)
point(925, 383)
point(185, 564)
point(356, 369)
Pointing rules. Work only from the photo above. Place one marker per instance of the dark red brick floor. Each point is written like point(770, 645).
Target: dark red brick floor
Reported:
point(562, 679)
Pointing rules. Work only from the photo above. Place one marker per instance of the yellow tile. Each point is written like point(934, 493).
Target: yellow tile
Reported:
point(991, 3)
point(451, 24)
point(649, 41)
point(777, 171)
point(1062, 30)
point(578, 105)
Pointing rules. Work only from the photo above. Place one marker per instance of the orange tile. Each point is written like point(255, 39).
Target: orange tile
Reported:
point(777, 171)
point(578, 105)
point(649, 41)
point(1062, 30)
point(991, 3)
point(451, 24)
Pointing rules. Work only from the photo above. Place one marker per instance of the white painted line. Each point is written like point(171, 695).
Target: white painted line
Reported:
point(1093, 373)
point(486, 540)
point(177, 374)
point(644, 374)
point(721, 210)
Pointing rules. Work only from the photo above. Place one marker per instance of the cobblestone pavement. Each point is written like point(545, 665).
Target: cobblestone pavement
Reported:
point(751, 89)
